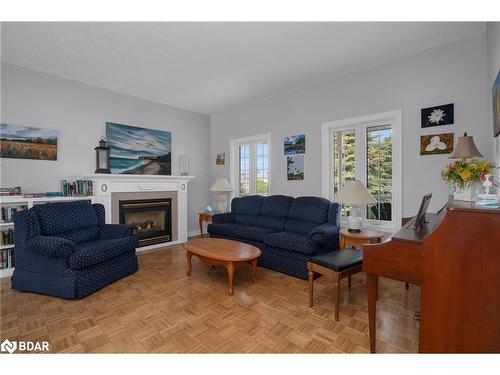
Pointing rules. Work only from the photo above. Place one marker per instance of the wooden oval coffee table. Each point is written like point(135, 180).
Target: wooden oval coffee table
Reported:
point(230, 254)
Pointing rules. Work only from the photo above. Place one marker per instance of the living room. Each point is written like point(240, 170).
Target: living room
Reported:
point(250, 187)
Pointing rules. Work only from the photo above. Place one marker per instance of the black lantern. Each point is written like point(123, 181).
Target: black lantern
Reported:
point(102, 161)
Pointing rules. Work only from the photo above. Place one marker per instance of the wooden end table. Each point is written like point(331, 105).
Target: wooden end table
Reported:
point(357, 240)
point(228, 253)
point(203, 216)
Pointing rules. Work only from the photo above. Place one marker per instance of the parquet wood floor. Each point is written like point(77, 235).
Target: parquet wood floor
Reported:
point(161, 310)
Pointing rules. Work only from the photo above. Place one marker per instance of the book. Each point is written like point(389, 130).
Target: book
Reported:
point(76, 188)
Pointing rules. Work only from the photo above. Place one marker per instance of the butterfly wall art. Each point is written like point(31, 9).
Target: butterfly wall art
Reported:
point(434, 144)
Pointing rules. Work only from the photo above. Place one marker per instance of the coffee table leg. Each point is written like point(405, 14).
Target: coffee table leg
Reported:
point(254, 270)
point(230, 274)
point(189, 255)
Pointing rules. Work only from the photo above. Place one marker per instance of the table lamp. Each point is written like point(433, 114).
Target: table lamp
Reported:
point(354, 193)
point(221, 186)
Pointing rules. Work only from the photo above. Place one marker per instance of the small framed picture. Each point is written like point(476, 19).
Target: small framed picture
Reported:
point(438, 115)
point(295, 167)
point(295, 144)
point(221, 158)
point(434, 144)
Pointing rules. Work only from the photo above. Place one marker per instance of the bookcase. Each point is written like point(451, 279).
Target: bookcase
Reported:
point(9, 205)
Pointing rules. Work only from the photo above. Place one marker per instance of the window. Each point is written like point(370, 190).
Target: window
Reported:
point(344, 166)
point(366, 149)
point(250, 172)
point(379, 171)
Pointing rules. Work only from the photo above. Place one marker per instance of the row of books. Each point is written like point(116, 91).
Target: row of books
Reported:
point(7, 237)
point(6, 259)
point(8, 213)
point(77, 188)
point(13, 191)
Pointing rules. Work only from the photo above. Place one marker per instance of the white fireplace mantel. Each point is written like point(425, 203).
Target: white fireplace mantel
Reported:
point(107, 184)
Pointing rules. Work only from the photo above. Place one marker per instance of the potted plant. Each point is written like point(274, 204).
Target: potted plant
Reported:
point(464, 176)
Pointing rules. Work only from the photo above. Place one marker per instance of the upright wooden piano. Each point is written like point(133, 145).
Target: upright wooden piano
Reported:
point(455, 258)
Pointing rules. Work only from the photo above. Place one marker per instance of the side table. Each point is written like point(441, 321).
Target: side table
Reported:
point(203, 216)
point(357, 240)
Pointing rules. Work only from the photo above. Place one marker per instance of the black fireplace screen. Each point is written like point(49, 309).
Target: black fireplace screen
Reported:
point(151, 219)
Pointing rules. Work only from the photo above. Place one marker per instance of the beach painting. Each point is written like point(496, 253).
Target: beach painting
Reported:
point(295, 144)
point(26, 142)
point(295, 167)
point(137, 150)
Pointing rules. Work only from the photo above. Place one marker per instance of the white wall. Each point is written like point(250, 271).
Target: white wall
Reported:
point(493, 66)
point(451, 73)
point(80, 112)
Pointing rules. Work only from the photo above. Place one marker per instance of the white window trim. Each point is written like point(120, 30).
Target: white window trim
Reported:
point(395, 118)
point(234, 160)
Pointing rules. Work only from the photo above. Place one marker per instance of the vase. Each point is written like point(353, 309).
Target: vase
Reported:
point(468, 193)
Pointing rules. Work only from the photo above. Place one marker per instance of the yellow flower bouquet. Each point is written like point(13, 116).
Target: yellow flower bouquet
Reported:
point(464, 172)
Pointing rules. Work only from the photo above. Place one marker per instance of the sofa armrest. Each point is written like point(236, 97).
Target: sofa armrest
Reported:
point(223, 218)
point(114, 231)
point(54, 247)
point(324, 233)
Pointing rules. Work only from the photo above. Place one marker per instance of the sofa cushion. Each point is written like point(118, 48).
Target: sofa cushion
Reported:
point(56, 218)
point(224, 229)
point(246, 209)
point(274, 211)
point(81, 235)
point(94, 252)
point(291, 241)
point(306, 213)
point(309, 209)
point(255, 234)
point(300, 226)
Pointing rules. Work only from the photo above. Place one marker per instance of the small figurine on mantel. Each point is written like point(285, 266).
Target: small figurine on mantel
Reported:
point(487, 199)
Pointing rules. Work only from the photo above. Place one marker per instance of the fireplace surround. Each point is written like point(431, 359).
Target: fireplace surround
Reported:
point(150, 218)
point(110, 189)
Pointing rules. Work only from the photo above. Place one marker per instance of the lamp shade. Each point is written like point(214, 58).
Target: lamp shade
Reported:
point(465, 148)
point(354, 192)
point(221, 185)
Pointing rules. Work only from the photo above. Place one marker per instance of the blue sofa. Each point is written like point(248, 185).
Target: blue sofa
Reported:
point(66, 250)
point(289, 231)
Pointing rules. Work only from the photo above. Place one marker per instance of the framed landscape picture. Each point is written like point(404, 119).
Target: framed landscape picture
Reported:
point(438, 115)
point(434, 144)
point(295, 144)
point(295, 167)
point(26, 142)
point(137, 150)
point(221, 158)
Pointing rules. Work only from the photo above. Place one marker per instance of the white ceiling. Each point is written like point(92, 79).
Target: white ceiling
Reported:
point(208, 67)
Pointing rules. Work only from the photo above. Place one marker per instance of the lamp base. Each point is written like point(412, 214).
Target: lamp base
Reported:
point(354, 230)
point(221, 202)
point(354, 224)
point(103, 171)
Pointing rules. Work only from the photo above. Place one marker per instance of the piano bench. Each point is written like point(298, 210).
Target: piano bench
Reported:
point(337, 264)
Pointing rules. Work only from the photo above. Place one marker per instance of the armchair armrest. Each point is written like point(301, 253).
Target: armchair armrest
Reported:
point(223, 218)
point(114, 231)
point(324, 233)
point(54, 247)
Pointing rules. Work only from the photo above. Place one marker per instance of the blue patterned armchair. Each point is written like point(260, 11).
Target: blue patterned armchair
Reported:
point(289, 231)
point(66, 250)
